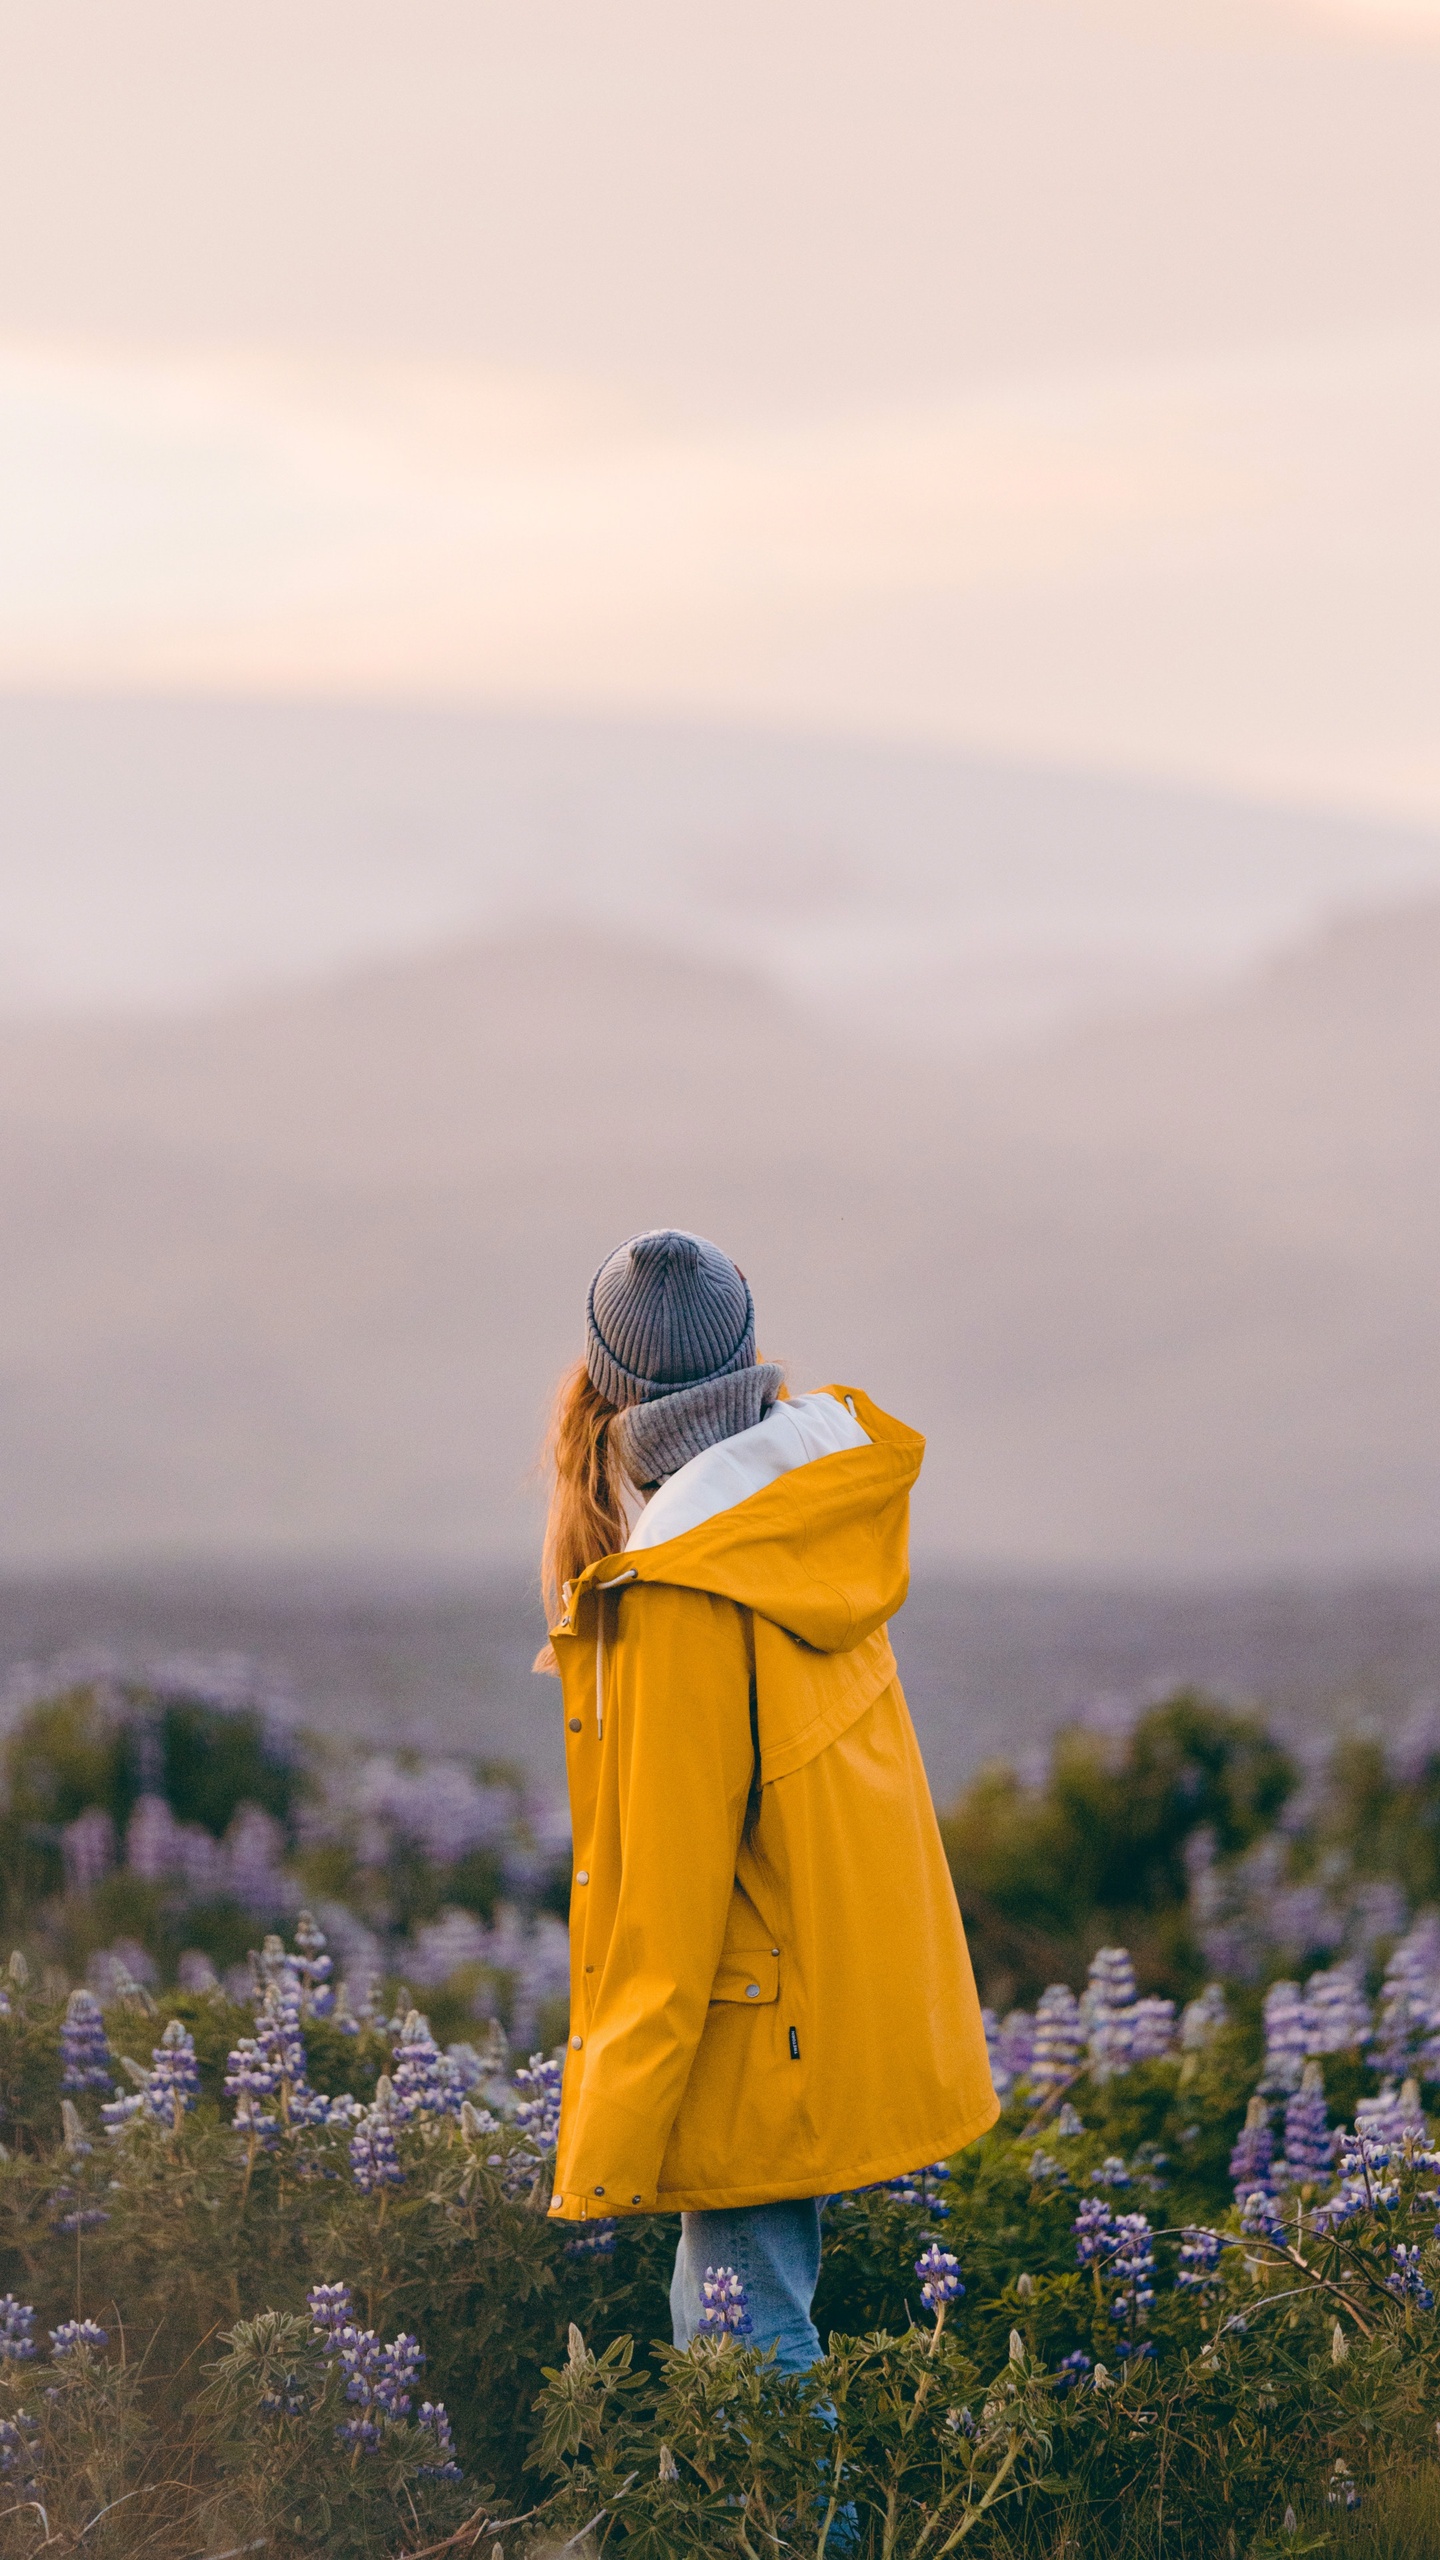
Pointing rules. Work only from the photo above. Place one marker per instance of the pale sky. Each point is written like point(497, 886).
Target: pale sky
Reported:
point(1052, 377)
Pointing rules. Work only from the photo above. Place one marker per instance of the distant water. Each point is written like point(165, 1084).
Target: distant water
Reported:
point(991, 1668)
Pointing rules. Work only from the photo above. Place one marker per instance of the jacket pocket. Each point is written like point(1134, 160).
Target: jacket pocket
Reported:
point(751, 1977)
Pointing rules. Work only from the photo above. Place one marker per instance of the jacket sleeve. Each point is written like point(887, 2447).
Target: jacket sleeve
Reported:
point(678, 1723)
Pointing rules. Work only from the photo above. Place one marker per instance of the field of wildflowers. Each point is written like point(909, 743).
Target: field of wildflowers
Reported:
point(276, 2272)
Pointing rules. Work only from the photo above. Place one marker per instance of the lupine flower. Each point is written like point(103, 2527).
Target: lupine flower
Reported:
point(425, 2082)
point(1250, 2161)
point(84, 2046)
point(374, 2159)
point(1011, 2048)
point(1260, 2216)
point(1059, 2039)
point(1200, 2252)
point(1108, 2012)
point(378, 2379)
point(17, 2331)
point(1152, 2029)
point(939, 2275)
point(593, 2240)
point(118, 2113)
point(313, 1966)
point(538, 2113)
point(19, 2459)
point(1310, 2146)
point(433, 2418)
point(1070, 2370)
point(174, 2081)
point(1288, 2037)
point(1405, 2277)
point(1339, 2011)
point(1068, 2123)
point(287, 2400)
point(1133, 2263)
point(1202, 2019)
point(1043, 2164)
point(724, 2304)
point(1094, 2231)
point(1342, 2491)
point(1112, 2172)
point(1407, 2007)
point(74, 2335)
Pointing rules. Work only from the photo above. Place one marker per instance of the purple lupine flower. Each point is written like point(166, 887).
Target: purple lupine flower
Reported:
point(724, 2304)
point(433, 2418)
point(1340, 2019)
point(1250, 2161)
point(1406, 2279)
point(425, 2081)
point(73, 2336)
point(538, 2113)
point(1310, 2146)
point(1288, 2036)
point(173, 2084)
point(17, 2331)
point(84, 2046)
point(378, 2379)
point(939, 2274)
point(1070, 2370)
point(374, 2159)
point(19, 2457)
point(1152, 2029)
point(1011, 2048)
point(397, 2370)
point(1059, 2039)
point(1407, 2015)
point(1133, 2265)
point(1112, 2172)
point(118, 2113)
point(1094, 2229)
point(1200, 2251)
point(1260, 2216)
point(1108, 2010)
point(313, 1966)
point(592, 2240)
point(329, 2306)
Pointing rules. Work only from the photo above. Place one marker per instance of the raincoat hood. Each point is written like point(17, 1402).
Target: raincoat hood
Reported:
point(822, 1552)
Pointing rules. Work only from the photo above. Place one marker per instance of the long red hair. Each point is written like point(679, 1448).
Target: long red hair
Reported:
point(586, 1518)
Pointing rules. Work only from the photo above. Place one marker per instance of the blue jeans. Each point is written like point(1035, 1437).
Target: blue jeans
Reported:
point(775, 2251)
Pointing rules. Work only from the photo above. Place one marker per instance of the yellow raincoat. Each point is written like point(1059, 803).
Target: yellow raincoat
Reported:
point(771, 1994)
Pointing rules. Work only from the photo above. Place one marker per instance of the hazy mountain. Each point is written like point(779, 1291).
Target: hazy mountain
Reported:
point(296, 1277)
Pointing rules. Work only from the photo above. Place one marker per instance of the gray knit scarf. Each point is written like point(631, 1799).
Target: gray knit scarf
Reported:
point(652, 1440)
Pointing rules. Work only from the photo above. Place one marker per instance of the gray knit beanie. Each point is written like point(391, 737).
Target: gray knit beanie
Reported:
point(666, 1310)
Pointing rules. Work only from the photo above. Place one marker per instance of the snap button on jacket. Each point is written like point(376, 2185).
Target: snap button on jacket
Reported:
point(771, 1992)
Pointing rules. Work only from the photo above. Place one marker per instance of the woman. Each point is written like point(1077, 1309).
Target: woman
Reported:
point(771, 1998)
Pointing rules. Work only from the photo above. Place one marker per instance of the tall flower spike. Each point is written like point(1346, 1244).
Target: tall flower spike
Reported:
point(1059, 2039)
point(939, 2275)
point(1288, 2037)
point(84, 2047)
point(173, 2084)
point(724, 2304)
point(17, 2331)
point(1310, 2146)
point(1250, 2161)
